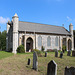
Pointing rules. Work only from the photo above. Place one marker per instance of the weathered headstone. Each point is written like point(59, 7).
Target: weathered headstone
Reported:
point(45, 54)
point(52, 68)
point(29, 62)
point(35, 62)
point(69, 53)
point(56, 53)
point(61, 54)
point(69, 71)
point(73, 53)
point(63, 51)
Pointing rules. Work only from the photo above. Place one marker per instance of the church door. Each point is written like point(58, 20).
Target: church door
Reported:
point(69, 44)
point(29, 44)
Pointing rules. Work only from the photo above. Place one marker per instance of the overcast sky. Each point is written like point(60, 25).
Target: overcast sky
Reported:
point(53, 12)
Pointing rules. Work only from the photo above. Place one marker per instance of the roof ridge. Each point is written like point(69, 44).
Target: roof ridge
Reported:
point(41, 24)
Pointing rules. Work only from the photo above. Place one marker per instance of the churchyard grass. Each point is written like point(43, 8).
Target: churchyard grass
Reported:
point(11, 64)
point(4, 54)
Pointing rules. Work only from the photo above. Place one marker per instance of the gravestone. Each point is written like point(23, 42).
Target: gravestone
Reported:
point(52, 68)
point(29, 62)
point(69, 71)
point(45, 54)
point(56, 53)
point(61, 54)
point(35, 62)
point(63, 51)
point(69, 53)
point(73, 53)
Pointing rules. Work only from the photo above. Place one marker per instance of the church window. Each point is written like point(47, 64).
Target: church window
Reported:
point(40, 41)
point(22, 40)
point(56, 41)
point(48, 41)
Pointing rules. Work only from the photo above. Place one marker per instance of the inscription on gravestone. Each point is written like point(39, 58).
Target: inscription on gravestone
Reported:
point(52, 68)
point(35, 62)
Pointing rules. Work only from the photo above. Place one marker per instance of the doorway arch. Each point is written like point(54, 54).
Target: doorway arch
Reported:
point(29, 44)
point(69, 44)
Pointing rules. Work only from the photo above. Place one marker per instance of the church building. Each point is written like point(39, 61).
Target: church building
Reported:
point(36, 35)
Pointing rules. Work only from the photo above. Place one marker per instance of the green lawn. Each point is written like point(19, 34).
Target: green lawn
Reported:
point(4, 54)
point(11, 64)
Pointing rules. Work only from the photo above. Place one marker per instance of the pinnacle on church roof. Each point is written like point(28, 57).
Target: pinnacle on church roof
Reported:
point(70, 23)
point(16, 14)
point(8, 20)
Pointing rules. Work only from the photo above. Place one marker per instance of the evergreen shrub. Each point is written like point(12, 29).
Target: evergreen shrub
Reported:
point(21, 49)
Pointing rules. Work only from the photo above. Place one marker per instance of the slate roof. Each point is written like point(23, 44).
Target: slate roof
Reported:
point(43, 28)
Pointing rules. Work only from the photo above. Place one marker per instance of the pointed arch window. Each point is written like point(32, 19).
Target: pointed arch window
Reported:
point(39, 41)
point(48, 41)
point(56, 41)
point(22, 40)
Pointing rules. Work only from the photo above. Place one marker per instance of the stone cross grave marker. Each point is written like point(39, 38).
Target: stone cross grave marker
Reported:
point(69, 53)
point(35, 62)
point(61, 54)
point(69, 71)
point(52, 68)
point(56, 53)
point(45, 54)
point(29, 62)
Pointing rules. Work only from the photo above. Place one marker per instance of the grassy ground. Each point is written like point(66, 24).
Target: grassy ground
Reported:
point(11, 64)
point(4, 54)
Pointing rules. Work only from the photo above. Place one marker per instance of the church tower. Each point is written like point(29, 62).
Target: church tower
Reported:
point(71, 31)
point(15, 32)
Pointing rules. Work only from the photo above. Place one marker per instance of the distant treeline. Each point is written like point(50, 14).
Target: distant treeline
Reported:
point(3, 40)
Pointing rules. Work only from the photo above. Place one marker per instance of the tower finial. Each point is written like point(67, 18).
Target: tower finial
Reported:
point(15, 14)
point(70, 23)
